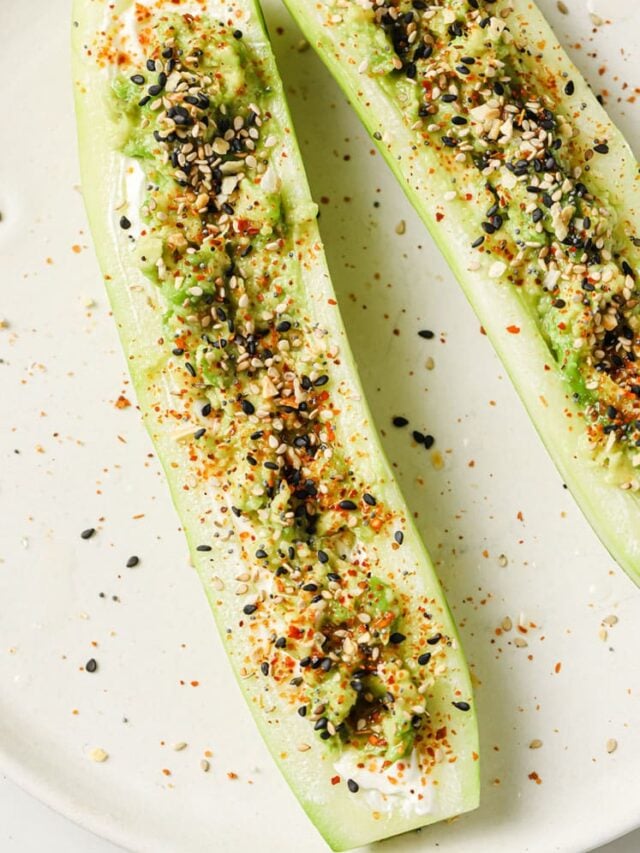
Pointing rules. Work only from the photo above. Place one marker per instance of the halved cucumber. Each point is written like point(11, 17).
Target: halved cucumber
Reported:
point(449, 196)
point(328, 605)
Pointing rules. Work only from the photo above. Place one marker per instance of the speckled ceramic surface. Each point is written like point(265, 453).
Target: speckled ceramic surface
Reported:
point(508, 540)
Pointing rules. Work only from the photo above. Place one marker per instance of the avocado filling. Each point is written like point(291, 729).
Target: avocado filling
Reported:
point(495, 117)
point(254, 393)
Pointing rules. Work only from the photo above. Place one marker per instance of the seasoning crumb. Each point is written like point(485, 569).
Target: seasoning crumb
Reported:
point(536, 743)
point(612, 745)
point(596, 20)
point(302, 45)
point(98, 755)
point(603, 634)
point(401, 227)
point(437, 461)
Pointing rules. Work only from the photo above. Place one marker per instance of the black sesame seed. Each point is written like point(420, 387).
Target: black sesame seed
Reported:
point(396, 638)
point(91, 665)
point(399, 537)
point(199, 433)
point(88, 533)
point(323, 556)
point(320, 724)
point(332, 576)
point(429, 441)
point(321, 380)
point(417, 436)
point(190, 368)
point(247, 407)
point(432, 641)
point(248, 609)
point(280, 643)
point(237, 34)
point(601, 148)
point(206, 410)
point(178, 351)
point(369, 499)
point(424, 659)
point(125, 223)
point(138, 79)
point(302, 710)
point(203, 548)
point(347, 505)
point(477, 242)
point(399, 421)
point(310, 587)
point(462, 706)
point(132, 562)
point(353, 786)
point(283, 326)
point(612, 412)
point(427, 334)
point(570, 88)
point(264, 668)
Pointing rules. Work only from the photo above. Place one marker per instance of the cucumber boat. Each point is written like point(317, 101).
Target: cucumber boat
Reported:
point(533, 196)
point(329, 607)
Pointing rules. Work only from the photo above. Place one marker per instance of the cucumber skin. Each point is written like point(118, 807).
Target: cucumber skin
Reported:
point(614, 514)
point(338, 816)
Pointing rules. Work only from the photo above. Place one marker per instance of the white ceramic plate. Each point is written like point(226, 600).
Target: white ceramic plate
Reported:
point(71, 459)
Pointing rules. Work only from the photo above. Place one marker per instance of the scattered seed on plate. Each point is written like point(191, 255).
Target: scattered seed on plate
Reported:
point(401, 227)
point(612, 745)
point(205, 765)
point(503, 561)
point(91, 665)
point(179, 746)
point(88, 533)
point(132, 561)
point(98, 755)
point(536, 743)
